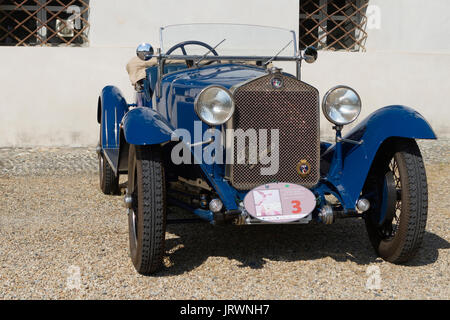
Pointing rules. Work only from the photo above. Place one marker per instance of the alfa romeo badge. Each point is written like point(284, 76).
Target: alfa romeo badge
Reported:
point(277, 83)
point(303, 168)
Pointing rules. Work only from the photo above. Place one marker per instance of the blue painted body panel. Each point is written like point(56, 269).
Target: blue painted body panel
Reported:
point(180, 89)
point(113, 108)
point(392, 121)
point(144, 126)
point(153, 122)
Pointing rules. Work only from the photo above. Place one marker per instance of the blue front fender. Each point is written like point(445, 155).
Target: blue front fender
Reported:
point(145, 126)
point(385, 123)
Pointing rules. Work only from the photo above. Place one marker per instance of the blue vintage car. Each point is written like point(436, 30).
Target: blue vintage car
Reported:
point(217, 129)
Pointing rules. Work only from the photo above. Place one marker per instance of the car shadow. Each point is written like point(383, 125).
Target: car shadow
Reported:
point(188, 246)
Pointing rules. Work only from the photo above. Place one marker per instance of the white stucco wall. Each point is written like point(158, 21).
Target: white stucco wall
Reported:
point(49, 95)
point(407, 61)
point(417, 80)
point(411, 26)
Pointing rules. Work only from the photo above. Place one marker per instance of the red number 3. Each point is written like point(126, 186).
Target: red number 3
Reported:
point(296, 205)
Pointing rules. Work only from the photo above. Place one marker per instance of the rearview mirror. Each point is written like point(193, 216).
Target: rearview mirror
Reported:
point(144, 51)
point(310, 55)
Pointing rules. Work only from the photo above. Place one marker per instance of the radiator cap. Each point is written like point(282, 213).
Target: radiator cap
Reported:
point(275, 70)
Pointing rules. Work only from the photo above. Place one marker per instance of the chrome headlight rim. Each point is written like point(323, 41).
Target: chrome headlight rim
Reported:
point(200, 95)
point(325, 98)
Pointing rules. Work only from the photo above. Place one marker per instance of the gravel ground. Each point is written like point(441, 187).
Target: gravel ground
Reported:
point(55, 225)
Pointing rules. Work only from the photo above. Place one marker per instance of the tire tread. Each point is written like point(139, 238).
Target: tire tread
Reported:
point(153, 197)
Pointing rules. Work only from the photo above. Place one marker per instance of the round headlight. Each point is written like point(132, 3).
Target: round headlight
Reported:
point(214, 105)
point(341, 105)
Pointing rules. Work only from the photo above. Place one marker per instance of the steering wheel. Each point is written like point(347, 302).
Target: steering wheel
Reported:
point(181, 45)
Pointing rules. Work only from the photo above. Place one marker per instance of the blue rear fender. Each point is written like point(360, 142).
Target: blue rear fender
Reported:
point(111, 108)
point(383, 124)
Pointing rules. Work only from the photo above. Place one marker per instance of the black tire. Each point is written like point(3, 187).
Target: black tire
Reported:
point(398, 237)
point(109, 182)
point(147, 217)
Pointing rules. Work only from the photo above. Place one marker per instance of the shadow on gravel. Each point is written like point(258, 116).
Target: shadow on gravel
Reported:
point(429, 251)
point(252, 246)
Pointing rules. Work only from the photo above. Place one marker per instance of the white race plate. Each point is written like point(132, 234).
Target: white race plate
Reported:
point(280, 202)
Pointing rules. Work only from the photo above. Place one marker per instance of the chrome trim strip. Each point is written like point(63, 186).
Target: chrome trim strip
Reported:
point(106, 128)
point(299, 70)
point(229, 147)
point(297, 53)
point(115, 124)
point(250, 221)
point(213, 58)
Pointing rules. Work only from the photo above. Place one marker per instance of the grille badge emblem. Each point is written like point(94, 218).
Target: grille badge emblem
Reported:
point(303, 168)
point(277, 83)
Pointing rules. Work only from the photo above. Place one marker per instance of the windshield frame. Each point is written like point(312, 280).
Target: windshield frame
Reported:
point(293, 57)
point(161, 58)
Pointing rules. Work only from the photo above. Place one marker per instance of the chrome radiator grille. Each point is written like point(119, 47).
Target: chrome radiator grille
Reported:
point(294, 111)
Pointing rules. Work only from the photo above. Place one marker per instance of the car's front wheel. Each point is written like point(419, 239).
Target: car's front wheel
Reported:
point(397, 184)
point(147, 215)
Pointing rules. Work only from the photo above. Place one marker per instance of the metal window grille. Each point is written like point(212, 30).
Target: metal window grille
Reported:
point(44, 22)
point(333, 24)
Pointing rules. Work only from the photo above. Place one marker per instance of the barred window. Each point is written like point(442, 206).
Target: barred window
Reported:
point(333, 24)
point(44, 22)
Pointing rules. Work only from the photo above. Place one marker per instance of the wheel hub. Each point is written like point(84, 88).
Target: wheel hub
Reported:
point(389, 199)
point(128, 201)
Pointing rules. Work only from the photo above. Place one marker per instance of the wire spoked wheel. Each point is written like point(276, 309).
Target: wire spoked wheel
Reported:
point(389, 228)
point(397, 188)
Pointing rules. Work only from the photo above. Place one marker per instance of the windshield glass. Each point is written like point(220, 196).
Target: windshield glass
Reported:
point(238, 39)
